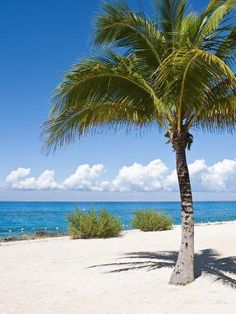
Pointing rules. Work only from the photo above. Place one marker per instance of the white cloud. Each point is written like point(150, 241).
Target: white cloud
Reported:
point(154, 176)
point(13, 177)
point(138, 177)
point(171, 182)
point(221, 177)
point(85, 178)
point(45, 181)
point(197, 170)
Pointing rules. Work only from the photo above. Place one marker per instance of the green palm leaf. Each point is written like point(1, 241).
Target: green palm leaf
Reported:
point(216, 18)
point(107, 90)
point(170, 15)
point(227, 48)
point(197, 73)
point(119, 26)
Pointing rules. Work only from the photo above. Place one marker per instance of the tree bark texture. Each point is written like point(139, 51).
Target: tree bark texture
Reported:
point(184, 269)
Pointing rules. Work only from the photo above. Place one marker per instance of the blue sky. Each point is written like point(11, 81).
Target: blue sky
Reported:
point(40, 40)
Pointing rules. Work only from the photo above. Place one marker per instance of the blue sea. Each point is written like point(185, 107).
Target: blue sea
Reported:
point(20, 218)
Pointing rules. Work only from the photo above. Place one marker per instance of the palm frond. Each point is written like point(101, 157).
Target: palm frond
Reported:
point(197, 73)
point(189, 29)
point(214, 17)
point(227, 48)
point(212, 6)
point(209, 29)
point(120, 27)
point(171, 14)
point(107, 90)
point(219, 116)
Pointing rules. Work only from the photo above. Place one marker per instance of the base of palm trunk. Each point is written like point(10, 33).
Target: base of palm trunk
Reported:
point(184, 269)
point(183, 273)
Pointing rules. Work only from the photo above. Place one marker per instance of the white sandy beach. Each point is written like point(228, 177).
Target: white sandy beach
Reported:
point(118, 276)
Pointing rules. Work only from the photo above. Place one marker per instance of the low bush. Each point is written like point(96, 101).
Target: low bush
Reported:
point(87, 225)
point(41, 234)
point(151, 220)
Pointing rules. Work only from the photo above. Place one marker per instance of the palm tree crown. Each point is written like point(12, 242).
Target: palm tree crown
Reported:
point(174, 71)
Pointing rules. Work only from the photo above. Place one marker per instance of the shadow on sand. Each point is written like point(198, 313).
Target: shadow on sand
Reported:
point(207, 262)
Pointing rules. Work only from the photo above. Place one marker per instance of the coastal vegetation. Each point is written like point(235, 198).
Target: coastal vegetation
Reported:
point(92, 224)
point(151, 220)
point(172, 71)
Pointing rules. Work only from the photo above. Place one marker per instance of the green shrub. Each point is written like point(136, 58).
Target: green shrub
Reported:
point(87, 225)
point(151, 220)
point(41, 234)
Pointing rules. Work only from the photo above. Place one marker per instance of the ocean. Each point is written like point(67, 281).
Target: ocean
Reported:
point(20, 218)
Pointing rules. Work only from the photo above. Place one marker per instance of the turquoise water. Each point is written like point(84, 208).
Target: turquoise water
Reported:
point(18, 218)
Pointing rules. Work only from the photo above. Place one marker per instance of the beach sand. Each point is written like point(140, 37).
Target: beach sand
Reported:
point(123, 275)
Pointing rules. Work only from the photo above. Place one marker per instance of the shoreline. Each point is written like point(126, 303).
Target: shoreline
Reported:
point(32, 237)
point(48, 236)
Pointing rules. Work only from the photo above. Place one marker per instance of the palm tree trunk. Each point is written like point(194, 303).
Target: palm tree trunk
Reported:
point(184, 269)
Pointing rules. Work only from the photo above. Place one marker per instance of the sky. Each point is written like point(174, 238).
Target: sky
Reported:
point(40, 41)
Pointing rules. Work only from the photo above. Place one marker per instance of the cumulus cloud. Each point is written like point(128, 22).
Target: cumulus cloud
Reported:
point(154, 176)
point(17, 179)
point(221, 177)
point(138, 177)
point(13, 177)
point(85, 178)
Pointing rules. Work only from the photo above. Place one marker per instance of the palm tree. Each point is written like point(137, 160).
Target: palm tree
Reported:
point(173, 71)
